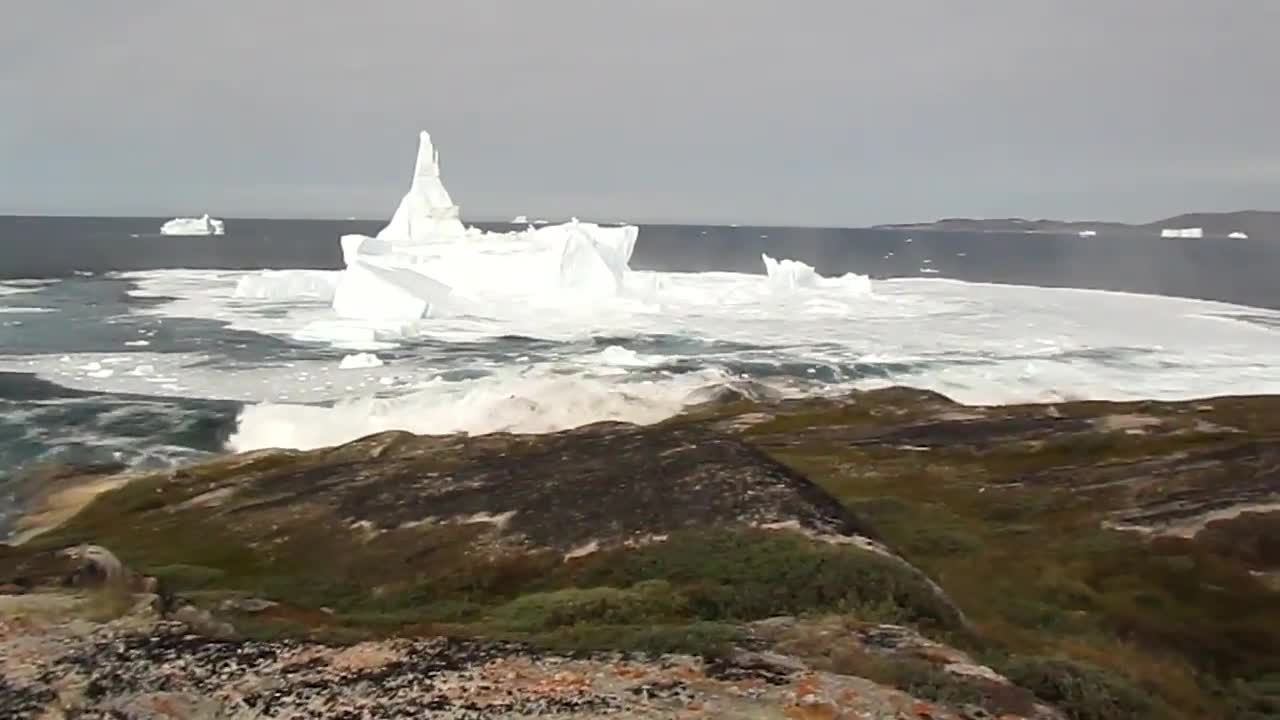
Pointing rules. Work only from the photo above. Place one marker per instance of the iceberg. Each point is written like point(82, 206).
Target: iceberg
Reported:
point(1088, 233)
point(1238, 236)
point(1182, 232)
point(359, 361)
point(789, 274)
point(786, 275)
point(371, 292)
point(203, 225)
point(426, 260)
point(426, 212)
point(289, 285)
point(520, 220)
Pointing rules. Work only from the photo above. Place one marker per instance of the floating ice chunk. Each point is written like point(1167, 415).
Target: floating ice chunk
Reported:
point(359, 361)
point(1182, 232)
point(137, 343)
point(620, 357)
point(289, 285)
point(1238, 235)
point(203, 225)
point(788, 274)
point(370, 292)
point(1088, 233)
point(592, 258)
point(520, 220)
point(929, 271)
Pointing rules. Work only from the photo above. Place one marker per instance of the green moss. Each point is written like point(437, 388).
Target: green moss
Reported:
point(1031, 564)
point(186, 578)
point(647, 602)
point(1082, 691)
point(929, 681)
point(748, 575)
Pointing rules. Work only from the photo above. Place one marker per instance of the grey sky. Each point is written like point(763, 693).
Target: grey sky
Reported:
point(787, 112)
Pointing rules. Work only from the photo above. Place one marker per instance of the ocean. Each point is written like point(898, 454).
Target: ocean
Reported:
point(120, 345)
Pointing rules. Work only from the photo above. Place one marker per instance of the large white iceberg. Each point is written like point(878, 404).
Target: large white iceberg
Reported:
point(425, 259)
point(203, 225)
point(372, 292)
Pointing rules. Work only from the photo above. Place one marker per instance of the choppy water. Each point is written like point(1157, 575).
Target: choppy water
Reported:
point(130, 359)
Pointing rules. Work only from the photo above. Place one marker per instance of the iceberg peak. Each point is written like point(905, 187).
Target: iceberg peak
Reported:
point(426, 212)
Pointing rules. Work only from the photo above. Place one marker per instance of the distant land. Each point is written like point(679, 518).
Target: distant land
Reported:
point(1252, 223)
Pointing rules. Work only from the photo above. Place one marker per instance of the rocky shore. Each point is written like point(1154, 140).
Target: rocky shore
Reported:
point(890, 554)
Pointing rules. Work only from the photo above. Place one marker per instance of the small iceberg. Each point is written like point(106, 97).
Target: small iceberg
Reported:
point(360, 361)
point(789, 275)
point(520, 220)
point(1238, 235)
point(1088, 233)
point(203, 225)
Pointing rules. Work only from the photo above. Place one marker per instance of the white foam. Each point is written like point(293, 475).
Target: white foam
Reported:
point(26, 309)
point(511, 402)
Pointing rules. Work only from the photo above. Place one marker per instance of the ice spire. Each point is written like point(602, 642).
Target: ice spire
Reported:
point(426, 212)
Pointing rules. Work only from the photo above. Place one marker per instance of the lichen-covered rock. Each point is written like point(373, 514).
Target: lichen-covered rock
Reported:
point(1118, 559)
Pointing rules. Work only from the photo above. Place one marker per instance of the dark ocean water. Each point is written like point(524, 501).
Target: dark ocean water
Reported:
point(1236, 271)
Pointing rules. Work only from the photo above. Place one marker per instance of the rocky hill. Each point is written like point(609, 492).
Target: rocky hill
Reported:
point(1260, 224)
point(890, 553)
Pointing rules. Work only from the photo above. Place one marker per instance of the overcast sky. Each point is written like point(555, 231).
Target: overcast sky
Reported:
point(840, 112)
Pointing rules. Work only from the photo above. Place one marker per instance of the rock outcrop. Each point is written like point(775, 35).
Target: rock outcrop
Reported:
point(849, 557)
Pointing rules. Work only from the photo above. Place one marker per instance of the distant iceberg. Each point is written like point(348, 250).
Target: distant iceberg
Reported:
point(520, 220)
point(1238, 235)
point(1182, 232)
point(1088, 233)
point(203, 225)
